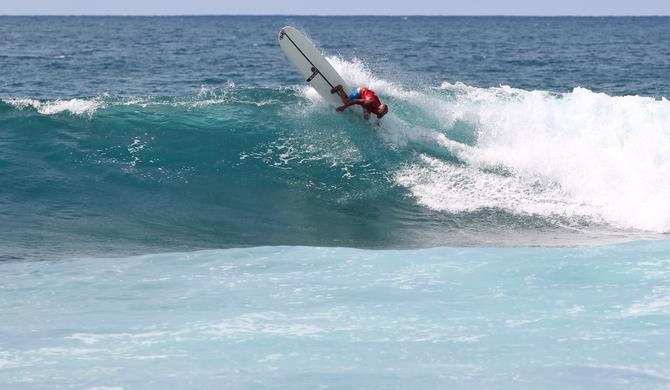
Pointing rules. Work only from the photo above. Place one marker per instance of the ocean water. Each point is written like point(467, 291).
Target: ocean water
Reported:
point(179, 210)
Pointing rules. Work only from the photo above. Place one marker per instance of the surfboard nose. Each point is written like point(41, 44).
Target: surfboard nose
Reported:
point(282, 33)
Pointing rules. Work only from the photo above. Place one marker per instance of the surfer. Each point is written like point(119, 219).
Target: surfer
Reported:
point(364, 97)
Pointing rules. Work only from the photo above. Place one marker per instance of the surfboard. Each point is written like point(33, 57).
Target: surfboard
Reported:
point(311, 64)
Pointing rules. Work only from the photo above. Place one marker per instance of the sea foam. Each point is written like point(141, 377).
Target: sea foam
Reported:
point(74, 106)
point(576, 155)
point(608, 153)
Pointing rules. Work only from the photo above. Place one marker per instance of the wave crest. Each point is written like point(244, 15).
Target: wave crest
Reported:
point(73, 106)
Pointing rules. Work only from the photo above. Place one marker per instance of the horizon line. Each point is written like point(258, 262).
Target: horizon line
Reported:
point(356, 15)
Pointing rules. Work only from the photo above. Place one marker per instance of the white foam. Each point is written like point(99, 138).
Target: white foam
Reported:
point(517, 323)
point(22, 103)
point(454, 188)
point(575, 154)
point(356, 73)
point(74, 106)
point(608, 370)
point(259, 323)
point(576, 310)
point(141, 337)
point(656, 303)
point(69, 351)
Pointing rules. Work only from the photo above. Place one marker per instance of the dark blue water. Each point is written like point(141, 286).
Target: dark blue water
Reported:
point(521, 148)
point(66, 57)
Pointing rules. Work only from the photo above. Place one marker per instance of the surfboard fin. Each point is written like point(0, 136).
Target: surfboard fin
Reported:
point(314, 73)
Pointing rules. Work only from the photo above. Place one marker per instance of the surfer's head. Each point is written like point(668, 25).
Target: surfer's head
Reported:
point(382, 110)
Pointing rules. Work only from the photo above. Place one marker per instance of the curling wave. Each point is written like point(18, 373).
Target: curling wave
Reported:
point(451, 164)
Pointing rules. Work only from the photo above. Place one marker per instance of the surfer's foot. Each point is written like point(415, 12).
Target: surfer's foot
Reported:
point(335, 88)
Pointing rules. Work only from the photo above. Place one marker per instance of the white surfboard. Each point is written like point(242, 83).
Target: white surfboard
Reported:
point(311, 64)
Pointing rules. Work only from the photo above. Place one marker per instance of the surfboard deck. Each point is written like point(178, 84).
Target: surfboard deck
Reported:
point(311, 64)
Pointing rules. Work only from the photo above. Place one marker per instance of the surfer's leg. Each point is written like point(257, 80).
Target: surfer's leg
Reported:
point(340, 91)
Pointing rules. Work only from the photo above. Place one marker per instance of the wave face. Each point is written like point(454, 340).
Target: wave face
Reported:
point(247, 166)
point(182, 145)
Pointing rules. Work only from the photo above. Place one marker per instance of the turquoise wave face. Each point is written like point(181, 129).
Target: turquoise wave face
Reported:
point(237, 168)
point(264, 166)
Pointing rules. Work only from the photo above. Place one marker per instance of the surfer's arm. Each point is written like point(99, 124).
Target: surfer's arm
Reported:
point(350, 103)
